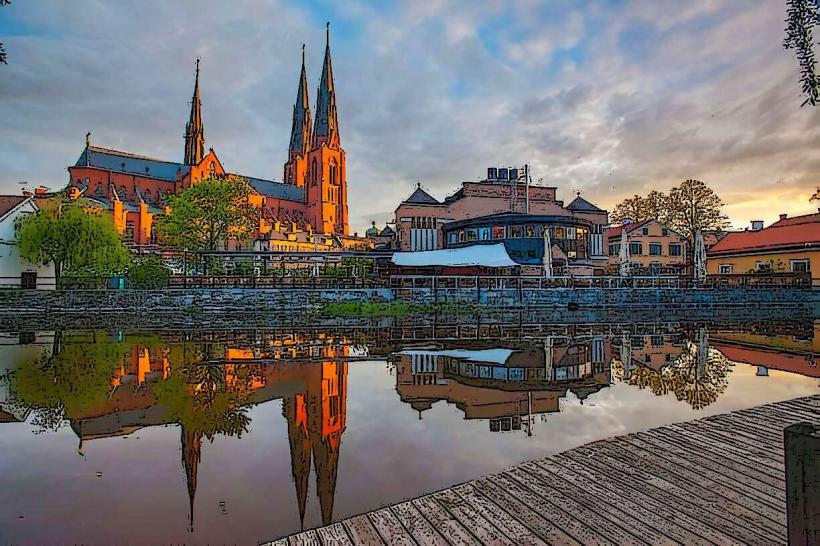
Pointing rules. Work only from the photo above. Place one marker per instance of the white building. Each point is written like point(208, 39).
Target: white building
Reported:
point(14, 270)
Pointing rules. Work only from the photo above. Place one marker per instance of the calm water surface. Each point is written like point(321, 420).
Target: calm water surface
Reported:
point(242, 436)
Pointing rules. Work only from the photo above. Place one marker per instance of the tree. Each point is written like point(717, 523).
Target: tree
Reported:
point(203, 216)
point(636, 208)
point(801, 18)
point(693, 206)
point(77, 240)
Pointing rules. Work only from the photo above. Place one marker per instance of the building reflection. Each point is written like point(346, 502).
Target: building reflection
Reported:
point(206, 387)
point(505, 386)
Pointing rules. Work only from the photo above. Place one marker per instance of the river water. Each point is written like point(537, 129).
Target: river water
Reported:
point(239, 436)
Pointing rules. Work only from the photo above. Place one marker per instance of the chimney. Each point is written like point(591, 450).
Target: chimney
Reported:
point(783, 216)
point(757, 225)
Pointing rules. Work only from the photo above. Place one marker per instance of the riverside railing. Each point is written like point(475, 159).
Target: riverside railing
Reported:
point(435, 282)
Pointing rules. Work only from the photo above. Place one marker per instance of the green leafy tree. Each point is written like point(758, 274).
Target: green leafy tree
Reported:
point(801, 18)
point(205, 215)
point(77, 240)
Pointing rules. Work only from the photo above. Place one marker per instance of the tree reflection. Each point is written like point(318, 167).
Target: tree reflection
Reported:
point(697, 376)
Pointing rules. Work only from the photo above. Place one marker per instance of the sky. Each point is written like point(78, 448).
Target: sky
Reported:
point(608, 98)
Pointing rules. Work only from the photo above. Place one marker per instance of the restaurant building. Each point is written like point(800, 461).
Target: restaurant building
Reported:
point(788, 245)
point(504, 207)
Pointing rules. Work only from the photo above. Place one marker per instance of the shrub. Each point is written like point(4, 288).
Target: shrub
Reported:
point(148, 272)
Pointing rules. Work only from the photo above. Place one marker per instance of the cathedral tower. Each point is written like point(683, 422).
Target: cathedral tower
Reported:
point(194, 129)
point(316, 160)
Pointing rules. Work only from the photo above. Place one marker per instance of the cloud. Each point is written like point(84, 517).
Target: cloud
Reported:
point(608, 100)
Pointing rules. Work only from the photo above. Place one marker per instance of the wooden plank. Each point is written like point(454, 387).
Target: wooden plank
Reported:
point(694, 433)
point(619, 510)
point(742, 433)
point(422, 530)
point(756, 430)
point(444, 522)
point(504, 522)
point(389, 528)
point(334, 535)
point(307, 538)
point(361, 531)
point(748, 469)
point(791, 414)
point(731, 477)
point(740, 441)
point(680, 526)
point(668, 492)
point(470, 518)
point(690, 441)
point(541, 527)
point(530, 478)
point(742, 522)
point(640, 520)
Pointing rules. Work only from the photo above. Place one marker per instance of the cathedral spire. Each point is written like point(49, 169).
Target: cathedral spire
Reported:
point(194, 129)
point(326, 129)
point(300, 132)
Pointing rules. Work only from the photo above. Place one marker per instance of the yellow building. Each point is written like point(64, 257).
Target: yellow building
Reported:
point(653, 246)
point(788, 245)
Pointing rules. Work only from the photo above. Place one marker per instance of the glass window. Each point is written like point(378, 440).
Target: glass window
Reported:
point(654, 249)
point(800, 266)
point(529, 231)
point(664, 232)
point(726, 269)
point(764, 266)
point(614, 249)
point(570, 231)
point(461, 237)
point(559, 233)
point(484, 234)
point(674, 249)
point(452, 237)
point(636, 249)
point(515, 232)
point(498, 232)
point(645, 231)
point(472, 234)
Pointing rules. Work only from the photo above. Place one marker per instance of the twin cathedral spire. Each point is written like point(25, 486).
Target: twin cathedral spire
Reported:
point(325, 130)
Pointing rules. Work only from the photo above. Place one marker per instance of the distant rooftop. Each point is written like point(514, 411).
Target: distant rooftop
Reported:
point(421, 197)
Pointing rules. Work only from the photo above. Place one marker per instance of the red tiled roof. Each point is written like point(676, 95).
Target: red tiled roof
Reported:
point(616, 231)
point(9, 202)
point(797, 232)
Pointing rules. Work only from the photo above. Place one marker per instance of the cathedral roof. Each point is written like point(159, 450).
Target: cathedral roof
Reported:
point(115, 160)
point(279, 190)
point(581, 204)
point(421, 197)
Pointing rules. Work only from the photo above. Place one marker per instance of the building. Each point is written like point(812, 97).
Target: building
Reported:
point(313, 195)
point(14, 270)
point(499, 208)
point(382, 239)
point(788, 245)
point(653, 247)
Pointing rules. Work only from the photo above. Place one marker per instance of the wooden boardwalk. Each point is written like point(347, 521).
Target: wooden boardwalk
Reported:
point(717, 480)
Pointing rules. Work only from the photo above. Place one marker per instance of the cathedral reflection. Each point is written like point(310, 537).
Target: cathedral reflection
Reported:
point(206, 388)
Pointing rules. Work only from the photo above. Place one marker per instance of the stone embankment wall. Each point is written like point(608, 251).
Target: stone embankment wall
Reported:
point(261, 301)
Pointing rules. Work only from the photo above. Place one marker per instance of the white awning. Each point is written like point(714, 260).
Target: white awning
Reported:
point(475, 255)
point(493, 356)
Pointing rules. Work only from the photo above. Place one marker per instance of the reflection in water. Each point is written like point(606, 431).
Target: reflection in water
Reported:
point(105, 388)
point(106, 385)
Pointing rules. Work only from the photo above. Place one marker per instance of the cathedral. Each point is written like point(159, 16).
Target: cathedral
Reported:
point(311, 200)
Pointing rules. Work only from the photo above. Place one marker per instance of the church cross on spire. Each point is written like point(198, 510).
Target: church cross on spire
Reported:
point(195, 129)
point(301, 131)
point(326, 128)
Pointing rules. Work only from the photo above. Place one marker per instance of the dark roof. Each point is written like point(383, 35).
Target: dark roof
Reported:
point(387, 231)
point(516, 218)
point(421, 197)
point(279, 190)
point(9, 203)
point(581, 204)
point(115, 160)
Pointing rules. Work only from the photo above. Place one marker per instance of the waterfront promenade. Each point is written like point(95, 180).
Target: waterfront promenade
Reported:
point(716, 480)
